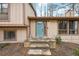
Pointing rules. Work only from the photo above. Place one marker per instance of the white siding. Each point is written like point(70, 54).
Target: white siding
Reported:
point(21, 35)
point(52, 29)
point(32, 29)
point(15, 14)
point(28, 12)
point(1, 35)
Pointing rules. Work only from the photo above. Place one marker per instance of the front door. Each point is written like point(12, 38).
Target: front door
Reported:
point(39, 29)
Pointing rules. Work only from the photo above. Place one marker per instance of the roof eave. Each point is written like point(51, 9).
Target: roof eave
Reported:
point(53, 18)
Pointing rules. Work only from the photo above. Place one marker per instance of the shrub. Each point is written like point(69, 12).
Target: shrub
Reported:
point(4, 45)
point(58, 40)
point(76, 52)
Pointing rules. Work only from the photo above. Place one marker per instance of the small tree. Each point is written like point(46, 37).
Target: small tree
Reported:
point(76, 52)
point(58, 40)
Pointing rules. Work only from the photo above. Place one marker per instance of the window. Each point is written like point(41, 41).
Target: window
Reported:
point(9, 35)
point(3, 11)
point(3, 8)
point(62, 27)
point(68, 27)
point(73, 27)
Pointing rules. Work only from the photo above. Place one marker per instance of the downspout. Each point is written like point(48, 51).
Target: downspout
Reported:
point(29, 28)
point(33, 9)
point(23, 13)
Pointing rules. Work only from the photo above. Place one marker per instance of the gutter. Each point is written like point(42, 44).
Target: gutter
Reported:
point(24, 11)
point(32, 8)
point(24, 14)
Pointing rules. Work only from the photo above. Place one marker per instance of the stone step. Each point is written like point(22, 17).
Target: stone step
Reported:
point(39, 45)
point(39, 52)
point(38, 40)
point(35, 45)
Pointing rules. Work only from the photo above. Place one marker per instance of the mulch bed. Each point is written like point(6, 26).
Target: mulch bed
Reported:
point(18, 49)
point(13, 49)
point(65, 49)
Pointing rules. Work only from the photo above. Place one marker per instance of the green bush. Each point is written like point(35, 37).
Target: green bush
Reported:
point(76, 52)
point(58, 40)
point(4, 45)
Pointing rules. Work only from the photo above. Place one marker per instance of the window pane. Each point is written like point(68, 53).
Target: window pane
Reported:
point(62, 27)
point(5, 5)
point(73, 27)
point(0, 8)
point(5, 8)
point(3, 11)
point(9, 35)
point(62, 24)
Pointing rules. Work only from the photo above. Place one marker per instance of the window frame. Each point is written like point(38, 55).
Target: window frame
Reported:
point(6, 19)
point(62, 30)
point(71, 29)
point(68, 28)
point(14, 39)
point(1, 5)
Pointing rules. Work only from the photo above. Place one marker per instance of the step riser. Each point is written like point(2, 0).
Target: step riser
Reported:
point(38, 55)
point(39, 47)
point(40, 42)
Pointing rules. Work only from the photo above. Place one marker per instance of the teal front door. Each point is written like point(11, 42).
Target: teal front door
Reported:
point(39, 29)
